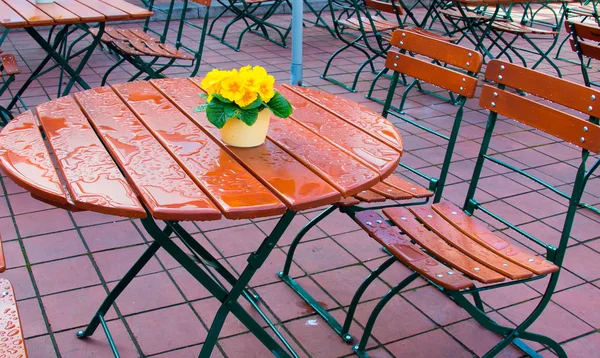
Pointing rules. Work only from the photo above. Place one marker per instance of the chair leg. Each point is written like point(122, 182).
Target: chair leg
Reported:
point(111, 68)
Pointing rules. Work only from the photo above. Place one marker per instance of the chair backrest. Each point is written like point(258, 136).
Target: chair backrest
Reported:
point(577, 124)
point(441, 64)
point(584, 42)
point(387, 7)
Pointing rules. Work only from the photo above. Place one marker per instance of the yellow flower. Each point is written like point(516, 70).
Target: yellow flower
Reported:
point(232, 87)
point(247, 97)
point(265, 88)
point(212, 82)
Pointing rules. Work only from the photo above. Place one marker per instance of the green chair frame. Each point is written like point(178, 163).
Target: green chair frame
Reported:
point(570, 128)
point(590, 11)
point(463, 84)
point(154, 68)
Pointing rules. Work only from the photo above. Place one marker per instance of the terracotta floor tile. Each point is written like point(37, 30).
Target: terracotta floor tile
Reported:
point(86, 218)
point(112, 235)
point(320, 255)
point(54, 246)
point(359, 244)
point(582, 301)
point(7, 229)
point(62, 275)
point(268, 272)
point(114, 264)
point(395, 273)
point(13, 255)
point(167, 329)
point(43, 222)
point(421, 347)
point(536, 205)
point(40, 347)
point(587, 346)
point(21, 282)
point(32, 321)
point(248, 346)
point(584, 228)
point(189, 352)
point(74, 308)
point(583, 262)
point(565, 280)
point(436, 305)
point(236, 240)
point(96, 345)
point(190, 287)
point(23, 203)
point(297, 224)
point(336, 223)
point(342, 284)
point(506, 296)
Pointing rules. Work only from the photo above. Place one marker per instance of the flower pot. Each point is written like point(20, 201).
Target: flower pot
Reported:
point(238, 134)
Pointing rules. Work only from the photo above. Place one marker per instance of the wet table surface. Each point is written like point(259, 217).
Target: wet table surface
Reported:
point(139, 148)
point(26, 13)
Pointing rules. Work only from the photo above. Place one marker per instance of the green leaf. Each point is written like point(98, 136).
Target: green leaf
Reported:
point(221, 98)
point(231, 110)
point(254, 105)
point(215, 112)
point(201, 108)
point(280, 106)
point(248, 116)
point(203, 95)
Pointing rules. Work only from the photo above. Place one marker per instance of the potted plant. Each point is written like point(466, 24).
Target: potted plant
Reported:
point(240, 104)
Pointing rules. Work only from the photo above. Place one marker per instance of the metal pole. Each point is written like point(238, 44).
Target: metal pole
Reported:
point(296, 67)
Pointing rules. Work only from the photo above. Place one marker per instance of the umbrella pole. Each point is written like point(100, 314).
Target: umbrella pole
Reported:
point(296, 67)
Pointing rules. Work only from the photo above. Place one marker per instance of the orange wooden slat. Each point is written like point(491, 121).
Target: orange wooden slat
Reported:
point(165, 188)
point(86, 14)
point(9, 64)
point(25, 159)
point(110, 13)
point(92, 177)
point(9, 18)
point(385, 7)
point(480, 233)
point(235, 191)
point(2, 259)
point(454, 237)
point(409, 254)
point(11, 331)
point(294, 184)
point(360, 144)
point(348, 202)
point(58, 13)
point(369, 196)
point(335, 166)
point(135, 12)
point(33, 15)
point(415, 190)
point(405, 220)
point(391, 192)
point(358, 115)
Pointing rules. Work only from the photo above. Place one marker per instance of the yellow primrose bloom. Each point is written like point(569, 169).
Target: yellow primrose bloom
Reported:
point(260, 71)
point(247, 98)
point(251, 81)
point(265, 88)
point(232, 87)
point(212, 82)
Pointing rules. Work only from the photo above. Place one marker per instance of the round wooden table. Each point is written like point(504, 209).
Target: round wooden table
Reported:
point(139, 150)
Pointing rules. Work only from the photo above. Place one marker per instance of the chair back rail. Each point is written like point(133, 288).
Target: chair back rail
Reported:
point(591, 33)
point(389, 8)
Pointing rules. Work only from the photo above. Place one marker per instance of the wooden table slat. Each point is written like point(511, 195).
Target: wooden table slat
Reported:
point(9, 18)
point(358, 143)
point(59, 14)
point(296, 185)
point(33, 15)
point(338, 168)
point(135, 12)
point(25, 159)
point(86, 14)
point(357, 115)
point(167, 191)
point(110, 13)
point(237, 193)
point(93, 179)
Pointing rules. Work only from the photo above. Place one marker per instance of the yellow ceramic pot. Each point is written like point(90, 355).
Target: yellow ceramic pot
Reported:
point(238, 134)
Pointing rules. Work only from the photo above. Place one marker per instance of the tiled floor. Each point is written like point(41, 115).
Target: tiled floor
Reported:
point(62, 264)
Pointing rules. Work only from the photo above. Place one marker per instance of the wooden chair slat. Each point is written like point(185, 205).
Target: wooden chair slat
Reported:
point(10, 18)
point(157, 50)
point(441, 50)
point(562, 125)
point(174, 199)
point(141, 35)
point(13, 341)
point(587, 49)
point(413, 189)
point(141, 47)
point(459, 83)
point(175, 52)
point(391, 192)
point(335, 166)
point(115, 33)
point(94, 180)
point(377, 155)
point(405, 220)
point(126, 47)
point(286, 177)
point(33, 15)
point(462, 242)
point(566, 93)
point(384, 7)
point(369, 196)
point(435, 35)
point(56, 12)
point(134, 12)
point(9, 63)
point(409, 254)
point(348, 202)
point(518, 28)
point(109, 12)
point(478, 232)
point(86, 14)
point(183, 139)
point(25, 159)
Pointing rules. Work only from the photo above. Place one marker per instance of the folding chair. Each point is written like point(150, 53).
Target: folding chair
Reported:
point(151, 55)
point(8, 68)
point(440, 241)
point(394, 187)
point(246, 11)
point(580, 13)
point(584, 40)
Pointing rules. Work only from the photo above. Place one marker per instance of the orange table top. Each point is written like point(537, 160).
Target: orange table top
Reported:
point(26, 13)
point(139, 147)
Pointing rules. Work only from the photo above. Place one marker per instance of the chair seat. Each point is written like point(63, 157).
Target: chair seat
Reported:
point(455, 14)
point(381, 25)
point(432, 34)
point(517, 28)
point(392, 188)
point(135, 42)
point(13, 342)
point(582, 10)
point(9, 63)
point(463, 244)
